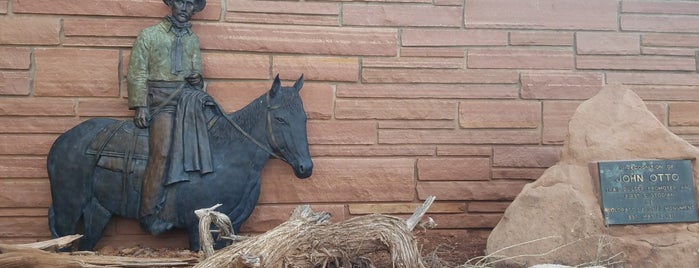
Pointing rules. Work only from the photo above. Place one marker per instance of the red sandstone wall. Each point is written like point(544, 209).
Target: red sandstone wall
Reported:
point(465, 100)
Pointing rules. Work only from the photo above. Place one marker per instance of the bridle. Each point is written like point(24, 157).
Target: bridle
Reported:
point(270, 133)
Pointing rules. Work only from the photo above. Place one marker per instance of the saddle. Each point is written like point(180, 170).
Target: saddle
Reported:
point(118, 145)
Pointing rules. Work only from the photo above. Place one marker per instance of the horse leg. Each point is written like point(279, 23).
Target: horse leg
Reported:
point(63, 221)
point(193, 234)
point(95, 218)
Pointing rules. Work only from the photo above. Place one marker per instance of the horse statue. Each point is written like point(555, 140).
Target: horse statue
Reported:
point(93, 179)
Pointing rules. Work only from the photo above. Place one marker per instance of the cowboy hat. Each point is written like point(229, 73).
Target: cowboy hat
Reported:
point(198, 4)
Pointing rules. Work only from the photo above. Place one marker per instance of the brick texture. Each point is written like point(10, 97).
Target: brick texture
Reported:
point(519, 59)
point(608, 43)
point(15, 58)
point(97, 76)
point(560, 85)
point(448, 169)
point(543, 14)
point(29, 31)
point(403, 15)
point(466, 100)
point(499, 114)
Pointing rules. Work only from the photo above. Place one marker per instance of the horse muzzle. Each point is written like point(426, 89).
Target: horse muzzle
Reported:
point(303, 168)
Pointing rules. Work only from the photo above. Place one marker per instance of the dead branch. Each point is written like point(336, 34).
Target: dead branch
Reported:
point(31, 256)
point(308, 239)
point(208, 216)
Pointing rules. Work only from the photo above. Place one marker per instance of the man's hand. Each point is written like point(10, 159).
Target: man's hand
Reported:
point(141, 118)
point(195, 80)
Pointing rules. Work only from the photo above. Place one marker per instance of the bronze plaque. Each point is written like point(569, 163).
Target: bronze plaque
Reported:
point(647, 191)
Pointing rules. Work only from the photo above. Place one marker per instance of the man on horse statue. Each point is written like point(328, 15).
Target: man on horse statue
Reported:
point(166, 90)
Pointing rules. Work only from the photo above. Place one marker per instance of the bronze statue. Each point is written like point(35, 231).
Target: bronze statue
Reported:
point(96, 169)
point(164, 72)
point(180, 153)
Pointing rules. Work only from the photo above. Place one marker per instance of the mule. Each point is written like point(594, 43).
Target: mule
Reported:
point(91, 181)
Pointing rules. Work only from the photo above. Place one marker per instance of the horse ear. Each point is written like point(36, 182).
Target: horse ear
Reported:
point(276, 86)
point(299, 83)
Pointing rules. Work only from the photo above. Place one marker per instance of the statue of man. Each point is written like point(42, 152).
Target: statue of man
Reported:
point(165, 68)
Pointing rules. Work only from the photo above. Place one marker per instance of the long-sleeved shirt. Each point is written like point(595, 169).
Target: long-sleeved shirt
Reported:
point(151, 60)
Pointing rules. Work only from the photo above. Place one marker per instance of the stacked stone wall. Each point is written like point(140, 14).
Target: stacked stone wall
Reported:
point(467, 100)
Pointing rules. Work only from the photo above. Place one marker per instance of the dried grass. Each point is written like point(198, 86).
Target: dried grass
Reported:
point(309, 239)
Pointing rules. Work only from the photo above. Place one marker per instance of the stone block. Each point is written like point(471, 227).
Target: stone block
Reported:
point(649, 78)
point(444, 52)
point(23, 167)
point(413, 62)
point(401, 15)
point(471, 190)
point(417, 124)
point(607, 43)
point(105, 27)
point(659, 23)
point(487, 207)
point(24, 193)
point(107, 8)
point(18, 58)
point(297, 39)
point(283, 19)
point(666, 93)
point(279, 7)
point(543, 14)
point(499, 114)
point(341, 132)
point(464, 150)
point(418, 76)
point(341, 180)
point(517, 173)
point(371, 151)
point(667, 51)
point(37, 106)
point(556, 38)
point(556, 115)
point(648, 63)
point(452, 37)
point(405, 208)
point(421, 91)
point(684, 114)
point(29, 30)
point(507, 58)
point(661, 7)
point(317, 68)
point(453, 169)
point(16, 144)
point(14, 83)
point(235, 66)
point(24, 227)
point(419, 136)
point(95, 77)
point(394, 109)
point(669, 40)
point(466, 221)
point(19, 212)
point(560, 85)
point(38, 124)
point(112, 107)
point(525, 156)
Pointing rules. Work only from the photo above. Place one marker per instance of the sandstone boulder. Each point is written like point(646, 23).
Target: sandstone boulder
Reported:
point(557, 218)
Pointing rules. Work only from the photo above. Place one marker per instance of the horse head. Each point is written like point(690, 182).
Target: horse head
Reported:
point(286, 127)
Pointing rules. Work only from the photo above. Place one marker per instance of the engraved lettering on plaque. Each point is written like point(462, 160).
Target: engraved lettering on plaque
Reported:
point(647, 191)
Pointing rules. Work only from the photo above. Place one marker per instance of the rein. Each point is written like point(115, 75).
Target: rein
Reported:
point(251, 138)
